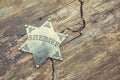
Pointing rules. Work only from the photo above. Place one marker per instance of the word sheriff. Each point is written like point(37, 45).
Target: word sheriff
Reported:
point(44, 38)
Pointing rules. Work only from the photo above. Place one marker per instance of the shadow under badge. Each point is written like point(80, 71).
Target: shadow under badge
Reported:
point(43, 42)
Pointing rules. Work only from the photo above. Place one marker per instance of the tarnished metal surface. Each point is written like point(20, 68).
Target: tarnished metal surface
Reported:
point(43, 42)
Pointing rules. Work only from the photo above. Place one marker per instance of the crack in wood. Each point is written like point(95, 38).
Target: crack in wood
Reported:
point(82, 15)
point(81, 28)
point(53, 68)
point(71, 40)
point(83, 20)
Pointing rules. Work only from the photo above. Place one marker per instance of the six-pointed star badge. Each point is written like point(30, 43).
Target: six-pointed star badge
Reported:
point(43, 42)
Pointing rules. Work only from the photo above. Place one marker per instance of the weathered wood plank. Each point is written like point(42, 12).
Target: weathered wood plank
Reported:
point(91, 53)
point(12, 31)
point(94, 55)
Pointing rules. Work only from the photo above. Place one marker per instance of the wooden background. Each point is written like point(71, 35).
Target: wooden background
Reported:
point(91, 53)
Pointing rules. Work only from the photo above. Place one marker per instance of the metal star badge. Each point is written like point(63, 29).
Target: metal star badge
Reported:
point(43, 42)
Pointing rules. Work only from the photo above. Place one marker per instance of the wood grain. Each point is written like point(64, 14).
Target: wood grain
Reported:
point(92, 52)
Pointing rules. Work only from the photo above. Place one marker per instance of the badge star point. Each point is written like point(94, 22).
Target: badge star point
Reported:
point(43, 42)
